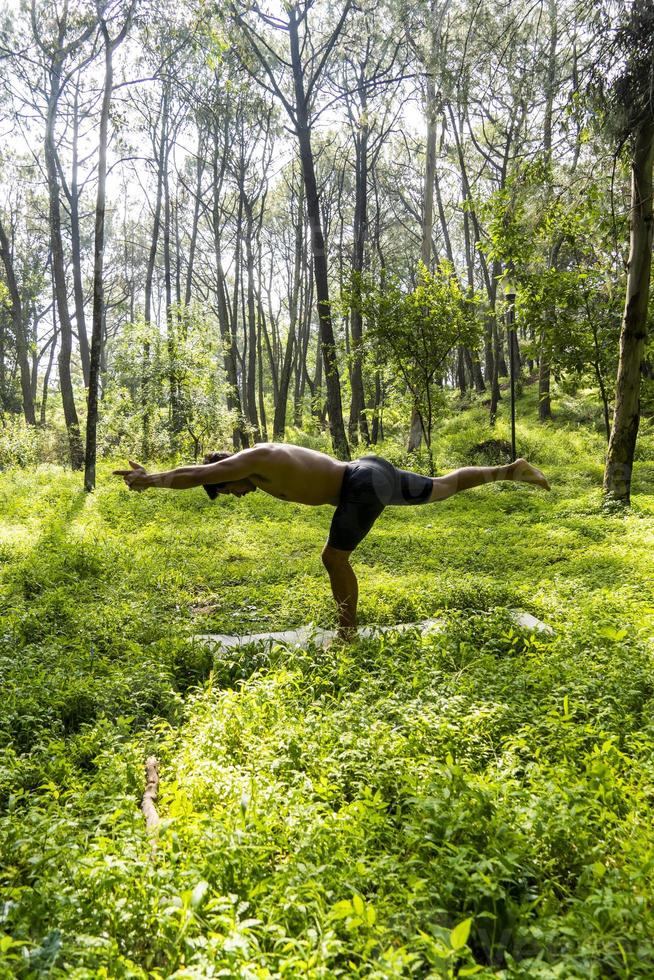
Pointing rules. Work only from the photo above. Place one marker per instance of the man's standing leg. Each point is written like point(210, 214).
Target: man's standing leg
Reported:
point(345, 589)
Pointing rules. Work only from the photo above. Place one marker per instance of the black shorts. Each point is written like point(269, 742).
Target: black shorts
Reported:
point(370, 484)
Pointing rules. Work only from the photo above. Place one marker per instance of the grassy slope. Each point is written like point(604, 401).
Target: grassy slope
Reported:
point(329, 814)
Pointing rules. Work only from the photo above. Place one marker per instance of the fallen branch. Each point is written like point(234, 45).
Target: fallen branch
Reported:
point(150, 795)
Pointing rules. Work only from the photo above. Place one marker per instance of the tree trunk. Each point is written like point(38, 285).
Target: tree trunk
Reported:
point(250, 380)
point(377, 429)
point(358, 422)
point(495, 380)
point(48, 371)
point(59, 273)
point(76, 250)
point(239, 437)
point(19, 329)
point(262, 404)
point(196, 218)
point(234, 310)
point(327, 341)
point(415, 428)
point(98, 265)
point(279, 422)
point(176, 421)
point(149, 274)
point(544, 363)
point(461, 371)
point(544, 379)
point(301, 372)
point(633, 334)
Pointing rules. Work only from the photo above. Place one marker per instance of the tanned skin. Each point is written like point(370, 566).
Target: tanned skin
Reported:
point(304, 476)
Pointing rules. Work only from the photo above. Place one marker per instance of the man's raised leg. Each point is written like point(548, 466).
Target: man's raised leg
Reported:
point(520, 471)
point(345, 589)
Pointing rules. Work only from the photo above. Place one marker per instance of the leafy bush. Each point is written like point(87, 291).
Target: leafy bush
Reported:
point(20, 444)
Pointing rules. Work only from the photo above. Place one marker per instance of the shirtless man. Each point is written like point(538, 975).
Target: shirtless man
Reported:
point(359, 491)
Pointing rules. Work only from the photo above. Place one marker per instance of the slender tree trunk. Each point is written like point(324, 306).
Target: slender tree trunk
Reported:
point(251, 379)
point(98, 267)
point(238, 248)
point(176, 421)
point(416, 428)
point(377, 431)
point(46, 376)
point(473, 368)
point(76, 250)
point(358, 422)
point(461, 371)
point(279, 422)
point(149, 274)
point(239, 437)
point(59, 272)
point(633, 334)
point(3, 378)
point(19, 329)
point(495, 380)
point(488, 350)
point(544, 381)
point(196, 218)
point(302, 373)
point(327, 341)
point(430, 174)
point(270, 350)
point(262, 404)
point(544, 356)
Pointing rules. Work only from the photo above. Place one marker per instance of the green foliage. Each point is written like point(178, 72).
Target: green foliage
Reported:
point(144, 368)
point(561, 248)
point(416, 331)
point(20, 444)
point(475, 802)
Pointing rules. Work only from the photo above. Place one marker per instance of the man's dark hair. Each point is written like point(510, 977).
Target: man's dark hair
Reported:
point(213, 488)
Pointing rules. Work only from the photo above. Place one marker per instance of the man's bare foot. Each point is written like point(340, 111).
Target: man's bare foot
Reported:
point(524, 472)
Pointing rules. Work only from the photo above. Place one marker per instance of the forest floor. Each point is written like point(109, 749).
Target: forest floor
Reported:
point(475, 802)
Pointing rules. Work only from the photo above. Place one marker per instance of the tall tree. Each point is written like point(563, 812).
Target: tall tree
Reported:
point(308, 55)
point(56, 52)
point(369, 73)
point(636, 109)
point(110, 46)
point(434, 14)
point(18, 326)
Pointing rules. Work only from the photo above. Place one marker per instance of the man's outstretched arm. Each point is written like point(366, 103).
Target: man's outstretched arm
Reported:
point(236, 467)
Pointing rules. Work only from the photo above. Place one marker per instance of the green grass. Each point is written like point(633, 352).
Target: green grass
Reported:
point(478, 800)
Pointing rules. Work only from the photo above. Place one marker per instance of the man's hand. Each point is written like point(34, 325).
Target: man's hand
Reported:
point(134, 478)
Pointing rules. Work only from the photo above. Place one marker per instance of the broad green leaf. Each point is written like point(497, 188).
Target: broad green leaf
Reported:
point(198, 893)
point(459, 935)
point(342, 909)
